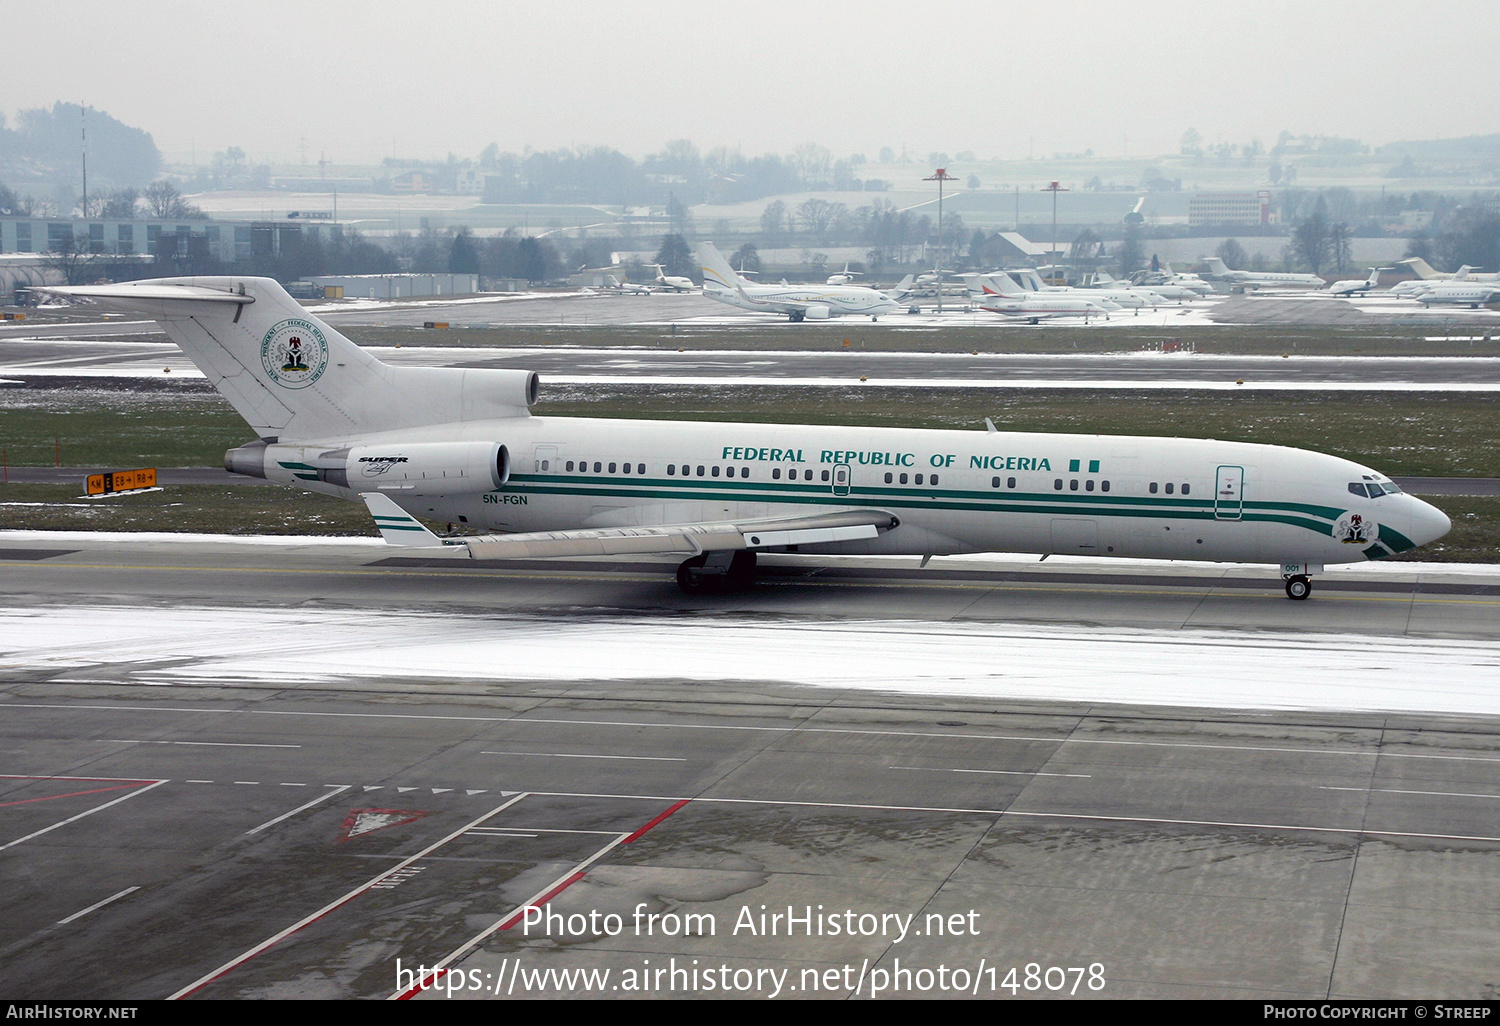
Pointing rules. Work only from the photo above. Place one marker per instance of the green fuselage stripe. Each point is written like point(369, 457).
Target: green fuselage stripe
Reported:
point(1317, 519)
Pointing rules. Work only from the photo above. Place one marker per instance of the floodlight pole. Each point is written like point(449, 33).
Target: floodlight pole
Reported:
point(940, 176)
point(1054, 189)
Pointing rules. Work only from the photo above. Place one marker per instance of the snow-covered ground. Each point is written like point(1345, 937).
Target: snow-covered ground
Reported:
point(992, 660)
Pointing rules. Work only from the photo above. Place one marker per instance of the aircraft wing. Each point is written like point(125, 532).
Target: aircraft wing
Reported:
point(398, 528)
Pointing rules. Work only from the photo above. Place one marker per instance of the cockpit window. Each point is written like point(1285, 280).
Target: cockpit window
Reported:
point(1358, 488)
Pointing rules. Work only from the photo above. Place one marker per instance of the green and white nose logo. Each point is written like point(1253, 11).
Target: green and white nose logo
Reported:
point(294, 353)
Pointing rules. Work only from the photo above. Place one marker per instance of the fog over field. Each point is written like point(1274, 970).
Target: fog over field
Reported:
point(359, 82)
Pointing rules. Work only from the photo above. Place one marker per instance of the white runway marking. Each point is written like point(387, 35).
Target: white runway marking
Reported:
point(96, 905)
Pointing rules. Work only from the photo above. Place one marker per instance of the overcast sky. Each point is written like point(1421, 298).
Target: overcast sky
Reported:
point(360, 81)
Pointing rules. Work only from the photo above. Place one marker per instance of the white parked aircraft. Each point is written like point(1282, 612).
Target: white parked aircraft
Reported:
point(672, 282)
point(1356, 286)
point(459, 445)
point(998, 293)
point(1165, 290)
point(1459, 293)
point(1427, 272)
point(798, 302)
point(844, 277)
point(1252, 280)
point(1124, 297)
point(1167, 276)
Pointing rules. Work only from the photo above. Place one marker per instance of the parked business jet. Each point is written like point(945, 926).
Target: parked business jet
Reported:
point(1253, 280)
point(1459, 293)
point(998, 293)
point(1356, 286)
point(844, 277)
point(797, 302)
point(1427, 272)
point(671, 282)
point(459, 445)
point(1166, 276)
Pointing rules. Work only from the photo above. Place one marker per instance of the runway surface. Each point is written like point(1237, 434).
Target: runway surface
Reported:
point(31, 359)
point(314, 769)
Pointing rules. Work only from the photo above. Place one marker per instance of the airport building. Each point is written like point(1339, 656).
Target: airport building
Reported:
point(1230, 208)
point(225, 241)
point(396, 286)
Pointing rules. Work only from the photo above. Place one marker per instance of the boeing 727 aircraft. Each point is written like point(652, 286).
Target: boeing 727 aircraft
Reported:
point(460, 445)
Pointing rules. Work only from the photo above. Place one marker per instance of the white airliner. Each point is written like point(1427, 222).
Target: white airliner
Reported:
point(459, 445)
point(797, 302)
point(998, 293)
point(1252, 280)
point(1125, 297)
point(1356, 286)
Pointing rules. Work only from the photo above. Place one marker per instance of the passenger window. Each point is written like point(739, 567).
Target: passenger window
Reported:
point(1073, 485)
point(611, 468)
point(570, 466)
point(1057, 485)
point(597, 467)
point(934, 479)
point(994, 482)
point(714, 472)
point(700, 471)
point(640, 468)
point(1153, 487)
point(918, 479)
point(625, 467)
point(544, 464)
point(903, 479)
point(825, 475)
point(1169, 487)
point(744, 472)
point(671, 470)
point(1104, 486)
point(1010, 482)
point(1186, 488)
point(1088, 485)
point(807, 475)
point(888, 477)
point(775, 473)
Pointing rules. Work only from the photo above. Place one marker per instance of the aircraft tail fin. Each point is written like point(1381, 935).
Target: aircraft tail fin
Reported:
point(291, 375)
point(718, 276)
point(903, 288)
point(1421, 267)
point(1215, 265)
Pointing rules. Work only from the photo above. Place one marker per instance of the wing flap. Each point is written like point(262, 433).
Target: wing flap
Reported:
point(687, 539)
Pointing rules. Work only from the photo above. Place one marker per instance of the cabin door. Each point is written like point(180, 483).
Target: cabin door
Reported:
point(1229, 499)
point(841, 475)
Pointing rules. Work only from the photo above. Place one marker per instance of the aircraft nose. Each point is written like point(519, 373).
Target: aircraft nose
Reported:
point(1428, 523)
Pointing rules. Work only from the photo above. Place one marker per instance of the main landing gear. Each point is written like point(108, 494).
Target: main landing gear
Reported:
point(716, 571)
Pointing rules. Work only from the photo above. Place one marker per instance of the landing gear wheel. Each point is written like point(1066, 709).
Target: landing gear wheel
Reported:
point(1298, 587)
point(691, 581)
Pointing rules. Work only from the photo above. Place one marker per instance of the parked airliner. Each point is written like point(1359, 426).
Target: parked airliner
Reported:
point(797, 302)
point(460, 446)
point(998, 293)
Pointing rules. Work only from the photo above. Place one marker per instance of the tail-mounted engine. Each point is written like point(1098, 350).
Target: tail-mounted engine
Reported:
point(417, 467)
